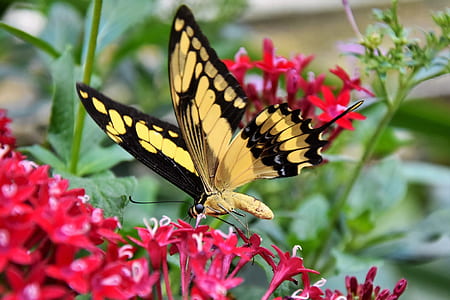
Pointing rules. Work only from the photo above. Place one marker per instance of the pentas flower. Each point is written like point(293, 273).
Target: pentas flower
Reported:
point(334, 106)
point(6, 137)
point(240, 65)
point(354, 290)
point(350, 83)
point(286, 80)
point(287, 267)
point(50, 238)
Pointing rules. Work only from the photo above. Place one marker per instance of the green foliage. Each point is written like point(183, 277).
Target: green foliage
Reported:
point(347, 214)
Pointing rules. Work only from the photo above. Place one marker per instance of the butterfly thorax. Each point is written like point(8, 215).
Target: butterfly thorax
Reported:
point(224, 202)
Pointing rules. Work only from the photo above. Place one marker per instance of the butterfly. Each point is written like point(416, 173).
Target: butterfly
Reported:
point(200, 155)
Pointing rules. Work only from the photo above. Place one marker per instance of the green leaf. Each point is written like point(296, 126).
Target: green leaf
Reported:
point(426, 173)
point(348, 263)
point(94, 157)
point(99, 159)
point(117, 17)
point(60, 132)
point(105, 191)
point(438, 66)
point(36, 42)
point(44, 156)
point(63, 27)
point(311, 218)
point(424, 117)
point(364, 223)
point(379, 188)
point(390, 141)
point(146, 191)
point(428, 239)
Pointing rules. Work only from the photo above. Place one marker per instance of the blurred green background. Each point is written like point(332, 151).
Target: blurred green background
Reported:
point(410, 172)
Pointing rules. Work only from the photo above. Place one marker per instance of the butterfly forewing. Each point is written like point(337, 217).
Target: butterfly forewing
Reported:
point(207, 99)
point(277, 143)
point(199, 156)
point(156, 143)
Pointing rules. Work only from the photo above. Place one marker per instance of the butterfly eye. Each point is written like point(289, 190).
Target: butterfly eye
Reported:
point(196, 210)
point(199, 208)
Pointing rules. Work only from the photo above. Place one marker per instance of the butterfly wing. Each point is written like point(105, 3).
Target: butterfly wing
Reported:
point(276, 143)
point(207, 99)
point(155, 143)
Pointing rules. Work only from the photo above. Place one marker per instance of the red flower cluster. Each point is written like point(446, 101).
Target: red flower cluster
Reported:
point(355, 291)
point(6, 137)
point(207, 257)
point(49, 238)
point(50, 248)
point(299, 92)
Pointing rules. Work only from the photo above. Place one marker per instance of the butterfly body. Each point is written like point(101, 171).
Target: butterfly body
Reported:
point(200, 155)
point(223, 202)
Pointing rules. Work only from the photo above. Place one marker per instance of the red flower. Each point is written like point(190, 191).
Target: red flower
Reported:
point(123, 280)
point(6, 137)
point(333, 106)
point(76, 272)
point(271, 63)
point(350, 84)
point(287, 267)
point(32, 285)
point(367, 290)
point(240, 65)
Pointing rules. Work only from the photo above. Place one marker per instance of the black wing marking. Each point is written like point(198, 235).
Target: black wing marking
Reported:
point(156, 143)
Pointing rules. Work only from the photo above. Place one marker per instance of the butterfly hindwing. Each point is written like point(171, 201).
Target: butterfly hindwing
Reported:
point(154, 142)
point(276, 143)
point(201, 156)
point(207, 99)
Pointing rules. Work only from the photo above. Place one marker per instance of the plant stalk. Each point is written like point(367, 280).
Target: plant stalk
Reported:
point(340, 203)
point(87, 72)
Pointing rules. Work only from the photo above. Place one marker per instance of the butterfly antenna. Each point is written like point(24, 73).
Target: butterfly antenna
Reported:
point(233, 214)
point(350, 109)
point(152, 202)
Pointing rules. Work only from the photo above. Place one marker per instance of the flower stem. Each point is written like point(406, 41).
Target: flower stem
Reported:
point(341, 202)
point(166, 278)
point(81, 113)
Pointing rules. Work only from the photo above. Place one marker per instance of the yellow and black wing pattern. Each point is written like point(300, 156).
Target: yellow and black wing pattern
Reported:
point(208, 101)
point(276, 143)
point(201, 156)
point(155, 143)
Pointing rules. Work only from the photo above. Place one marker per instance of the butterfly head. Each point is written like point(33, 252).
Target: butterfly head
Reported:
point(196, 210)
